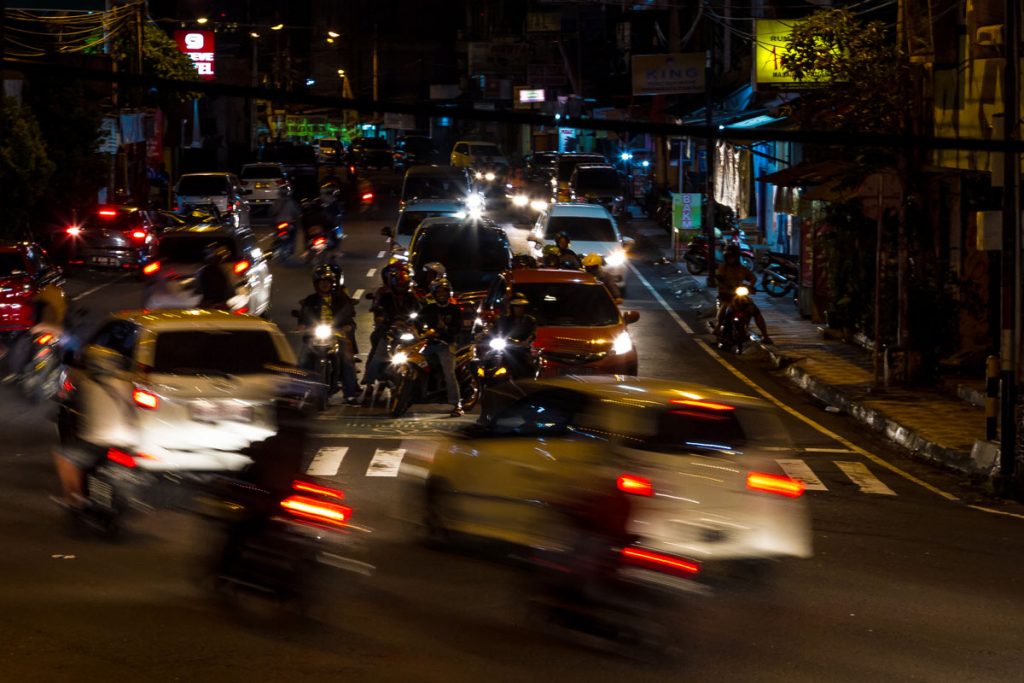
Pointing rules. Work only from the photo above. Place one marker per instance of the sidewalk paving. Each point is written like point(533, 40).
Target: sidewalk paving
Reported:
point(935, 426)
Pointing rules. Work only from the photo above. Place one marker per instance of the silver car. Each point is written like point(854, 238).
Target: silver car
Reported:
point(265, 181)
point(221, 190)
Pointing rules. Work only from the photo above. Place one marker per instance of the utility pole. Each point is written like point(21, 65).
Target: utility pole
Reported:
point(709, 178)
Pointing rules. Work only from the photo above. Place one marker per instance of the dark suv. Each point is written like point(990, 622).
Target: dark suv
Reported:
point(370, 153)
point(122, 237)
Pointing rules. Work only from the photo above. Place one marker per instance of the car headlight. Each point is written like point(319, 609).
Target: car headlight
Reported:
point(322, 332)
point(474, 201)
point(407, 336)
point(476, 214)
point(539, 205)
point(498, 344)
point(520, 200)
point(554, 182)
point(615, 259)
point(489, 176)
point(400, 358)
point(622, 344)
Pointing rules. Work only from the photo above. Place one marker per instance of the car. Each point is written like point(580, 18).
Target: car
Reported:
point(539, 167)
point(122, 237)
point(414, 212)
point(597, 184)
point(329, 151)
point(299, 163)
point(222, 190)
point(473, 251)
point(487, 164)
point(580, 330)
point(591, 230)
point(182, 251)
point(697, 466)
point(366, 153)
point(435, 182)
point(265, 179)
point(176, 391)
point(563, 169)
point(413, 150)
point(25, 268)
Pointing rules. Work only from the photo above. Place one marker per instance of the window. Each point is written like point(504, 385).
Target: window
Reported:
point(545, 413)
point(582, 228)
point(196, 352)
point(119, 336)
point(497, 295)
point(596, 180)
point(260, 172)
point(11, 263)
point(408, 221)
point(198, 185)
point(570, 304)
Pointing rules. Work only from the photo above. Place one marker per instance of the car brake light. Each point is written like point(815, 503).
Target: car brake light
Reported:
point(319, 242)
point(367, 196)
point(146, 399)
point(241, 311)
point(137, 234)
point(121, 458)
point(649, 559)
point(701, 404)
point(74, 231)
point(151, 268)
point(773, 483)
point(45, 338)
point(632, 484)
point(308, 487)
point(107, 213)
point(241, 267)
point(317, 511)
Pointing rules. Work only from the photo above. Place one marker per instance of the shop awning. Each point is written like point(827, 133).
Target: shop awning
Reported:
point(815, 173)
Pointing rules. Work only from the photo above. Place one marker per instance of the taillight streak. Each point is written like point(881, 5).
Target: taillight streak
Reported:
point(146, 399)
point(635, 485)
point(773, 483)
point(649, 559)
point(317, 511)
point(121, 458)
point(309, 487)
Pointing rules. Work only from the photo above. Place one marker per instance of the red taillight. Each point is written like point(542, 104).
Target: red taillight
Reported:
point(319, 242)
point(45, 338)
point(317, 511)
point(241, 310)
point(137, 234)
point(107, 213)
point(307, 487)
point(121, 458)
point(67, 386)
point(74, 231)
point(367, 196)
point(241, 267)
point(146, 399)
point(701, 404)
point(632, 484)
point(281, 181)
point(648, 559)
point(773, 483)
point(151, 268)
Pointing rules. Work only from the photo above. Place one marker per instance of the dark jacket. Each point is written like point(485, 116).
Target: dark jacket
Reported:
point(446, 321)
point(342, 310)
point(391, 306)
point(516, 329)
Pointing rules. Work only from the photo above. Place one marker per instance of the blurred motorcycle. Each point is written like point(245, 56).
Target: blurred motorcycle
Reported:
point(417, 378)
point(780, 275)
point(499, 359)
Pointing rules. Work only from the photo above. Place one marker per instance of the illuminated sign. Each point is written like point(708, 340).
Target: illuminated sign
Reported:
point(769, 48)
point(199, 46)
point(531, 95)
point(668, 74)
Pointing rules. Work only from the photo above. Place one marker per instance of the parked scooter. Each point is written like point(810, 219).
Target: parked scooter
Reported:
point(780, 275)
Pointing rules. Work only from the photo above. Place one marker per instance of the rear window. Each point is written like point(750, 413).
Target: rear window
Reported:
point(479, 149)
point(122, 221)
point(434, 187)
point(11, 264)
point(410, 220)
point(202, 185)
point(597, 179)
point(567, 165)
point(252, 172)
point(582, 228)
point(191, 248)
point(196, 352)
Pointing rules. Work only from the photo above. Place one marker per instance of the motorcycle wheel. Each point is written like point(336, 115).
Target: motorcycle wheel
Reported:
point(470, 392)
point(400, 398)
point(773, 284)
point(693, 267)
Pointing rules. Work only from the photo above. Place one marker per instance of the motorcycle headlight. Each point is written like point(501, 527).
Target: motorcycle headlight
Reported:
point(413, 315)
point(615, 259)
point(478, 175)
point(475, 202)
point(539, 205)
point(622, 344)
point(322, 332)
point(554, 182)
point(489, 176)
point(407, 336)
point(498, 344)
point(742, 291)
point(520, 200)
point(400, 358)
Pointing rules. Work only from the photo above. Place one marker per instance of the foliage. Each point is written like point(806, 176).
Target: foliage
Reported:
point(25, 167)
point(160, 57)
point(861, 68)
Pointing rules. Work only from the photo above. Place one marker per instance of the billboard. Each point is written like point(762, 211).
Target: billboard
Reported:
point(198, 45)
point(668, 74)
point(769, 47)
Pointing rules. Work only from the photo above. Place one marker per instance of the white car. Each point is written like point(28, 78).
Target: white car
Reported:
point(265, 180)
point(591, 230)
point(697, 465)
point(177, 390)
point(222, 190)
point(415, 212)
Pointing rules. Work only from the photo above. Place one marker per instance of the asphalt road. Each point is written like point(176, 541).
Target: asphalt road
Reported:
point(905, 584)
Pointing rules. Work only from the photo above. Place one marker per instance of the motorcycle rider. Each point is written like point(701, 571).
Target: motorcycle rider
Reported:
point(551, 256)
point(394, 304)
point(330, 304)
point(212, 283)
point(333, 211)
point(742, 304)
point(441, 322)
point(51, 309)
point(432, 272)
point(730, 275)
point(568, 258)
point(519, 328)
point(593, 264)
point(287, 210)
point(523, 261)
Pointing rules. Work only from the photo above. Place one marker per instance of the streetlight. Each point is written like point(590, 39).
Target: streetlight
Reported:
point(277, 27)
point(201, 20)
point(333, 34)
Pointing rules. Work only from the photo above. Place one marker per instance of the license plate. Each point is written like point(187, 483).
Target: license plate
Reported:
point(102, 261)
point(262, 186)
point(221, 412)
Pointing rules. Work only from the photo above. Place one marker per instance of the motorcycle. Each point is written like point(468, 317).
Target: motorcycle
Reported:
point(780, 275)
point(322, 360)
point(42, 376)
point(416, 378)
point(499, 359)
point(734, 332)
point(284, 241)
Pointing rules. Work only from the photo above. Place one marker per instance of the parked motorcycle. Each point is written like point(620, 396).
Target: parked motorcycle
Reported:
point(416, 378)
point(696, 254)
point(780, 275)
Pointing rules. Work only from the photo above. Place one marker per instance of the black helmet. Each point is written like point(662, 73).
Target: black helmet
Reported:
point(327, 271)
point(560, 234)
point(438, 284)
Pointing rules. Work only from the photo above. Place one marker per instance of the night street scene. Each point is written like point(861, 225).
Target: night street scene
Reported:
point(511, 340)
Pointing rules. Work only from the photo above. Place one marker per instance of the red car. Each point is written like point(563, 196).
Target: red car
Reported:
point(580, 330)
point(24, 269)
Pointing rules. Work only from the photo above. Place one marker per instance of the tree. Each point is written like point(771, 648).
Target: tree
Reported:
point(25, 168)
point(160, 57)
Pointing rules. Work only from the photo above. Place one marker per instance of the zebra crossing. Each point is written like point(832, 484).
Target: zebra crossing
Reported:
point(382, 458)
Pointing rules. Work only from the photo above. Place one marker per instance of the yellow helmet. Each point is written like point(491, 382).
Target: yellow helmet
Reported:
point(592, 260)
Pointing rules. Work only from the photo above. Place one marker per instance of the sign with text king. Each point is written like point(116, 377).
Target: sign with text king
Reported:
point(669, 74)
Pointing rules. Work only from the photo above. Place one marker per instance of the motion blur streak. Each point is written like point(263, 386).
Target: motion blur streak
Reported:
point(769, 483)
point(651, 560)
point(316, 511)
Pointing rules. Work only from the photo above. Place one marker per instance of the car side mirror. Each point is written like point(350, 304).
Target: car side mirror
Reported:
point(386, 231)
point(631, 317)
point(104, 361)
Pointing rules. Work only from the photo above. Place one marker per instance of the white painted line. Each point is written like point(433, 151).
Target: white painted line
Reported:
point(827, 450)
point(327, 461)
point(97, 288)
point(380, 254)
point(358, 294)
point(860, 475)
point(799, 470)
point(780, 404)
point(371, 272)
point(385, 463)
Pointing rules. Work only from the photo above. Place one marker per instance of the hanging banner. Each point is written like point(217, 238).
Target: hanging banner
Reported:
point(669, 74)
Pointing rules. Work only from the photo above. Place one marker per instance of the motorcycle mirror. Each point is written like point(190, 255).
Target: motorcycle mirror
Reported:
point(631, 317)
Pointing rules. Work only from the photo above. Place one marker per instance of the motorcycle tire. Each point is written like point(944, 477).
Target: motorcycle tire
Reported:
point(774, 285)
point(400, 398)
point(693, 267)
point(470, 392)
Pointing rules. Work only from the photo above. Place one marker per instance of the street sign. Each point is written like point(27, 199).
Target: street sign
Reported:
point(681, 72)
point(686, 210)
point(769, 48)
point(199, 45)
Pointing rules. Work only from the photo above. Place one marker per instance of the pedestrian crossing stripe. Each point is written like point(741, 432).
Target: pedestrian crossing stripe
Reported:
point(327, 461)
point(860, 475)
point(385, 463)
point(799, 470)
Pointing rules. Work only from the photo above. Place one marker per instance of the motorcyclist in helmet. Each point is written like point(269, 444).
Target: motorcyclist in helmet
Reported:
point(396, 303)
point(730, 275)
point(431, 271)
point(523, 261)
point(330, 304)
point(212, 283)
point(287, 211)
point(441, 322)
point(741, 303)
point(551, 256)
point(518, 328)
point(563, 243)
point(594, 264)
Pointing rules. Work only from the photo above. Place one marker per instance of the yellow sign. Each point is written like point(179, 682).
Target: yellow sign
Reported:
point(769, 48)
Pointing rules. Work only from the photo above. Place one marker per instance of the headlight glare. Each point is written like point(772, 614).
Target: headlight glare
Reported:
point(622, 344)
point(498, 344)
point(400, 358)
point(520, 200)
point(615, 259)
point(322, 332)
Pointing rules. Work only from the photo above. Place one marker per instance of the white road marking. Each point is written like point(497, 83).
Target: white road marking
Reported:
point(799, 470)
point(385, 463)
point(359, 292)
point(327, 461)
point(97, 288)
point(380, 254)
point(371, 272)
point(827, 450)
point(860, 475)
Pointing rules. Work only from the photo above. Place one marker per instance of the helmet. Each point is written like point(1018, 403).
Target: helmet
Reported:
point(523, 261)
point(519, 299)
point(438, 284)
point(327, 271)
point(732, 250)
point(591, 260)
point(433, 271)
point(216, 253)
point(562, 234)
point(551, 250)
point(397, 274)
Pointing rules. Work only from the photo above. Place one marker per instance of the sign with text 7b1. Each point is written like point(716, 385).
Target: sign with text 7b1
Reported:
point(199, 46)
point(669, 74)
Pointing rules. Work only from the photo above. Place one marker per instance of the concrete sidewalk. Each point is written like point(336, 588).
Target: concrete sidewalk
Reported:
point(933, 425)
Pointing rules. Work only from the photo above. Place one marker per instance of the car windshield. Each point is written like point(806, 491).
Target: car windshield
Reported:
point(582, 228)
point(566, 165)
point(570, 304)
point(436, 187)
point(197, 352)
point(597, 179)
point(408, 221)
point(480, 149)
point(191, 247)
point(251, 172)
point(472, 256)
point(418, 145)
point(11, 263)
point(202, 185)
